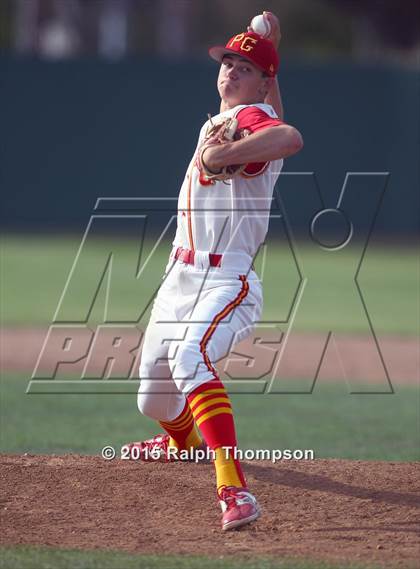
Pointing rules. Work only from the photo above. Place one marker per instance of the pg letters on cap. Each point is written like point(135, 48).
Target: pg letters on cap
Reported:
point(246, 41)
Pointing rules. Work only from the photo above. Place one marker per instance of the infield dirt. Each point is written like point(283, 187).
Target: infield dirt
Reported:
point(333, 510)
point(358, 357)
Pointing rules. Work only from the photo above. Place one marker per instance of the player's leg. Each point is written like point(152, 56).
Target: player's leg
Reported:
point(222, 316)
point(158, 396)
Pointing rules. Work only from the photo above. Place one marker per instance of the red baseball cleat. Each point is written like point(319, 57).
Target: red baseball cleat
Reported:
point(158, 449)
point(151, 450)
point(239, 507)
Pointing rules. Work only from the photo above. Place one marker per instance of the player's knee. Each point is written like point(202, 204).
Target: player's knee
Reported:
point(160, 406)
point(143, 405)
point(150, 407)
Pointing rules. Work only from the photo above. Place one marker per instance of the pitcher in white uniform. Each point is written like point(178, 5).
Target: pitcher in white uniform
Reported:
point(211, 297)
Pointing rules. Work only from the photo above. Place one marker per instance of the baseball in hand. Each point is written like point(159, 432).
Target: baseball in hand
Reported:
point(261, 25)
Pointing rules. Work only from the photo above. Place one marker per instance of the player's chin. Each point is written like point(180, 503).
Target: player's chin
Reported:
point(230, 97)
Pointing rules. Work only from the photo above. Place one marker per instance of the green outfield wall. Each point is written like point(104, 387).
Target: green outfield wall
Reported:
point(75, 131)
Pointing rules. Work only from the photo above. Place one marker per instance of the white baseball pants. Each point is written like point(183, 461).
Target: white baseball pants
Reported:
point(198, 315)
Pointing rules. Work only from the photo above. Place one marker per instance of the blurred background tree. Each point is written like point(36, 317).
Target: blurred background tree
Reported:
point(378, 30)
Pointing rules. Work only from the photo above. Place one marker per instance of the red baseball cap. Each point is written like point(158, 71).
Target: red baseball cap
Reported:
point(260, 51)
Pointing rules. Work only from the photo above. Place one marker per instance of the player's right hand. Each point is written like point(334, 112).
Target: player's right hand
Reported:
point(275, 34)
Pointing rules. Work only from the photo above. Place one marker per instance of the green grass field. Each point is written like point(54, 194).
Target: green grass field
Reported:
point(35, 271)
point(330, 421)
point(49, 558)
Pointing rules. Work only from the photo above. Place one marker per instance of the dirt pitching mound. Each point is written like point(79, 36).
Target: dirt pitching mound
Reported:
point(366, 512)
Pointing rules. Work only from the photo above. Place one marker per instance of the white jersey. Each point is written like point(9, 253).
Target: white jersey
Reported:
point(226, 217)
point(205, 305)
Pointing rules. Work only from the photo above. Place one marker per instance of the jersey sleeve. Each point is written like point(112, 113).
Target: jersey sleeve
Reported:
point(255, 119)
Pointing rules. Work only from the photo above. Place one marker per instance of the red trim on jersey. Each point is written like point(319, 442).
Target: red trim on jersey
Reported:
point(255, 119)
point(254, 169)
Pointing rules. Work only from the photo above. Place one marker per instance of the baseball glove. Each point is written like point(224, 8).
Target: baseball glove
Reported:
point(221, 133)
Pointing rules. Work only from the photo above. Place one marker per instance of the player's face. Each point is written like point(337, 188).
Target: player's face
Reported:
point(240, 82)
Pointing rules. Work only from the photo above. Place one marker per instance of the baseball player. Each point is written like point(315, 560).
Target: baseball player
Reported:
point(211, 297)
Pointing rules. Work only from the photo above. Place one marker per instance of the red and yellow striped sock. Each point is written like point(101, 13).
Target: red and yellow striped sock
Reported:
point(183, 430)
point(212, 411)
